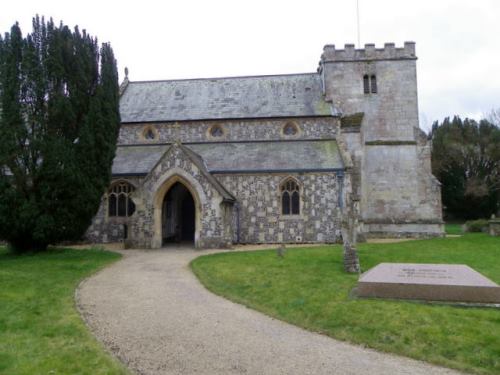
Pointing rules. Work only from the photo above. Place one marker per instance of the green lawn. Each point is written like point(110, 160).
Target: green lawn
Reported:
point(453, 228)
point(40, 329)
point(309, 288)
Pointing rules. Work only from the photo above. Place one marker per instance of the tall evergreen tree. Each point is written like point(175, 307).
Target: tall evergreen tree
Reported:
point(59, 122)
point(466, 159)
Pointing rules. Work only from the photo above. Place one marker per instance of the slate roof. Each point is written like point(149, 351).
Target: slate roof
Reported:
point(198, 161)
point(293, 95)
point(269, 156)
point(136, 160)
point(238, 157)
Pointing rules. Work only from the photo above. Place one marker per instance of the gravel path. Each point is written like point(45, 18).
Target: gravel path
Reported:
point(151, 312)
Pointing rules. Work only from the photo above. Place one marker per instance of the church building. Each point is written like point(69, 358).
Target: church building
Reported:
point(273, 159)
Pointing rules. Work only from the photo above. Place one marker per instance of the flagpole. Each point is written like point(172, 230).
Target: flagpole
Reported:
point(357, 19)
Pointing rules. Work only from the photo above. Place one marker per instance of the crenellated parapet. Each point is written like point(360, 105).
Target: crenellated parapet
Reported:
point(369, 53)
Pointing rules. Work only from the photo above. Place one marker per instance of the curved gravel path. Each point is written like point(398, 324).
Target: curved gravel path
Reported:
point(151, 312)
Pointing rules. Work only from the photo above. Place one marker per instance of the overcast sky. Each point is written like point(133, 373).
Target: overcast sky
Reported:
point(458, 41)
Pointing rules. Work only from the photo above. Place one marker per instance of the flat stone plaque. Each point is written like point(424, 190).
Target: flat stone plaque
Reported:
point(432, 282)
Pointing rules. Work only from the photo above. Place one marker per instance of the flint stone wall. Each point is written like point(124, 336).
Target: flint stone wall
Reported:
point(260, 219)
point(234, 130)
point(213, 226)
point(106, 229)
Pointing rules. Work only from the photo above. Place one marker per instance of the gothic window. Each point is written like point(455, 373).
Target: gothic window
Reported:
point(119, 201)
point(366, 84)
point(373, 81)
point(290, 197)
point(216, 131)
point(290, 129)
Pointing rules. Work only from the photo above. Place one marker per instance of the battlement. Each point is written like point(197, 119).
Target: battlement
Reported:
point(369, 53)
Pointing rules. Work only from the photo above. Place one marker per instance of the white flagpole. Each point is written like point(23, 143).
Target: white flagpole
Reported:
point(357, 18)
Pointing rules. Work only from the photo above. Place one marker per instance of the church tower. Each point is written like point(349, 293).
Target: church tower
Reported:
point(398, 195)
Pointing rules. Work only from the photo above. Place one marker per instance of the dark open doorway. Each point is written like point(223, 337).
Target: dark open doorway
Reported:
point(178, 215)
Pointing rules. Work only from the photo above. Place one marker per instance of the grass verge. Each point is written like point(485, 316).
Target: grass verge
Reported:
point(309, 288)
point(41, 331)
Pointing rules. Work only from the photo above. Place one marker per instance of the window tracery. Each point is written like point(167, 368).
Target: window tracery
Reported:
point(290, 197)
point(120, 204)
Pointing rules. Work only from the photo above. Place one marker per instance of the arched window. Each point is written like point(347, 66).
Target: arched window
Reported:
point(290, 197)
point(366, 84)
point(373, 80)
point(119, 201)
point(370, 84)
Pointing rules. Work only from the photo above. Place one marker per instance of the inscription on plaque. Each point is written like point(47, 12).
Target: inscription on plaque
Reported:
point(424, 273)
point(438, 282)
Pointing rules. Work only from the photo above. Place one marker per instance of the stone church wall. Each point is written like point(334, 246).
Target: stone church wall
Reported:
point(389, 164)
point(392, 112)
point(105, 229)
point(234, 130)
point(260, 219)
point(213, 223)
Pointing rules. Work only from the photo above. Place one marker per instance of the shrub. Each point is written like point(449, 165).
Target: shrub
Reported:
point(479, 225)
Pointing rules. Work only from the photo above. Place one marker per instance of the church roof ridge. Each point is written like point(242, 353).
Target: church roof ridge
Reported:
point(223, 78)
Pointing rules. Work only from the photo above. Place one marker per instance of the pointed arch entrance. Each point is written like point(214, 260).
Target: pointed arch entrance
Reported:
point(178, 215)
point(177, 209)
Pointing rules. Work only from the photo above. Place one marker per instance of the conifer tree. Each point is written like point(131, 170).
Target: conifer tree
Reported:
point(59, 122)
point(466, 160)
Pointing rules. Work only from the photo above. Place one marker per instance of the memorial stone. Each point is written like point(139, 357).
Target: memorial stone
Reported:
point(432, 282)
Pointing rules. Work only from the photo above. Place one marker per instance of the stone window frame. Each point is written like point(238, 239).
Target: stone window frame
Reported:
point(120, 188)
point(213, 127)
point(149, 129)
point(298, 130)
point(370, 83)
point(299, 190)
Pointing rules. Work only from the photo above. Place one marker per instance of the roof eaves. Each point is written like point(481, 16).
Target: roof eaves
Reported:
point(334, 113)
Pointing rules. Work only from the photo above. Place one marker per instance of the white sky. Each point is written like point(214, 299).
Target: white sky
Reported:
point(458, 41)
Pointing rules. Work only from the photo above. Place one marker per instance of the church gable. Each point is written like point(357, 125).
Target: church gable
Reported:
point(178, 164)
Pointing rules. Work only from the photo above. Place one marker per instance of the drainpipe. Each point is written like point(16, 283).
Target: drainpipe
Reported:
point(237, 207)
point(340, 176)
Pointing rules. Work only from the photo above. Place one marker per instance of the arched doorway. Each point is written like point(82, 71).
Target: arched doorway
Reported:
point(178, 215)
